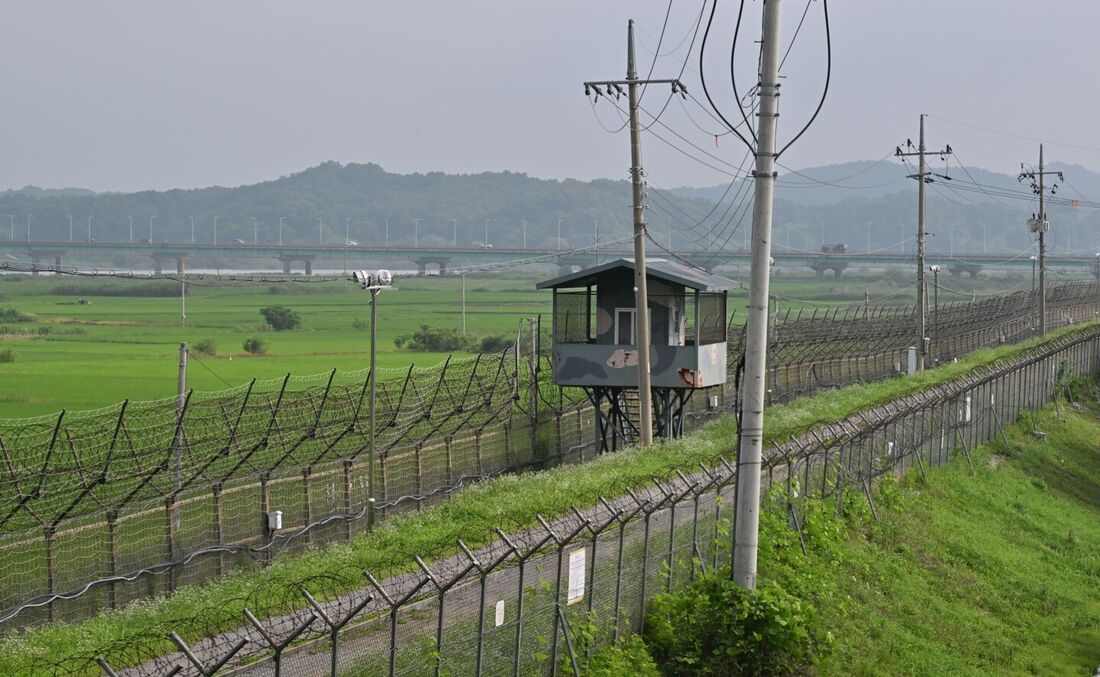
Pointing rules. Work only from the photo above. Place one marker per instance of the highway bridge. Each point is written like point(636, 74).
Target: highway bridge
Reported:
point(42, 255)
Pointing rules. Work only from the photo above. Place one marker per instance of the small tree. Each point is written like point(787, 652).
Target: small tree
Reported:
point(255, 346)
point(206, 347)
point(280, 318)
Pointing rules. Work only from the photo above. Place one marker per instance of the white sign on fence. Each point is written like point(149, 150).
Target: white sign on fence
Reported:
point(576, 576)
point(500, 613)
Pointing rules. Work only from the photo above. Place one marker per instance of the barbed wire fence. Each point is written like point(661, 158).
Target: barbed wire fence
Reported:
point(539, 600)
point(101, 508)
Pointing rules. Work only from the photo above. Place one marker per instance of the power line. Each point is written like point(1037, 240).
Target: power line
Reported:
point(1016, 136)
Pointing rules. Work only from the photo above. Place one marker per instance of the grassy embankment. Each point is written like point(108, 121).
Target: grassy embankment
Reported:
point(511, 502)
point(993, 574)
point(986, 574)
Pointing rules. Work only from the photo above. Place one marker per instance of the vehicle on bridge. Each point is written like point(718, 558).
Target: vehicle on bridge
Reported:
point(838, 248)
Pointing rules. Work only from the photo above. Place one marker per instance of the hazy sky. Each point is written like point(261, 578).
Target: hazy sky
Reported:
point(115, 95)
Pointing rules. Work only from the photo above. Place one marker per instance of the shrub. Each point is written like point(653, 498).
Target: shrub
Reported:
point(13, 315)
point(7, 356)
point(716, 627)
point(628, 657)
point(436, 340)
point(255, 346)
point(493, 344)
point(432, 339)
point(206, 347)
point(280, 318)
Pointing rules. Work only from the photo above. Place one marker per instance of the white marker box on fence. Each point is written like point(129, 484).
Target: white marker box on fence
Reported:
point(576, 577)
point(275, 520)
point(499, 618)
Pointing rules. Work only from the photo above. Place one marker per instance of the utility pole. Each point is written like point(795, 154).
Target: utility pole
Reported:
point(70, 227)
point(750, 451)
point(181, 399)
point(1040, 224)
point(637, 180)
point(596, 240)
point(922, 176)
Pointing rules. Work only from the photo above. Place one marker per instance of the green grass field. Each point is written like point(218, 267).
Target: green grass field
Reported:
point(127, 347)
point(120, 347)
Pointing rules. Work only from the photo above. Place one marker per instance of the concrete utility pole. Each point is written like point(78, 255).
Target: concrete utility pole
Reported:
point(637, 174)
point(922, 176)
point(747, 515)
point(1040, 224)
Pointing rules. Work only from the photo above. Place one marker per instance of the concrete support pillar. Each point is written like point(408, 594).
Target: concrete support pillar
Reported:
point(442, 268)
point(36, 261)
point(421, 268)
point(181, 265)
point(57, 261)
point(309, 266)
point(158, 269)
point(286, 265)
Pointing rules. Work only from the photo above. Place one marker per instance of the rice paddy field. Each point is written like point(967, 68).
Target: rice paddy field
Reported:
point(122, 341)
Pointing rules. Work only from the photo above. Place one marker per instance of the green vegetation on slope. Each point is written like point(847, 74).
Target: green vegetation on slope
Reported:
point(964, 575)
point(993, 574)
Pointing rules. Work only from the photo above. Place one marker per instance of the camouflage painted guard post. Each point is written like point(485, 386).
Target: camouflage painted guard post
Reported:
point(595, 347)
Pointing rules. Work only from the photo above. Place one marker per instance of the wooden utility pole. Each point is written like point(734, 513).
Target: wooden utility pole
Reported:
point(637, 179)
point(922, 176)
point(1040, 224)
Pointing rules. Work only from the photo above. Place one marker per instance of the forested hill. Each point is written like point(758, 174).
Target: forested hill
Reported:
point(869, 205)
point(364, 193)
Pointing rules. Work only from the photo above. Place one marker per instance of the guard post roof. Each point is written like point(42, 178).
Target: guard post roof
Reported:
point(661, 269)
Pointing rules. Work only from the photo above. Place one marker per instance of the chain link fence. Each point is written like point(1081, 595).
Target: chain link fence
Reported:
point(101, 508)
point(532, 601)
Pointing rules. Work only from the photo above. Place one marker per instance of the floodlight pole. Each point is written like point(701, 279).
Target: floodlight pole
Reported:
point(750, 454)
point(371, 376)
point(637, 180)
